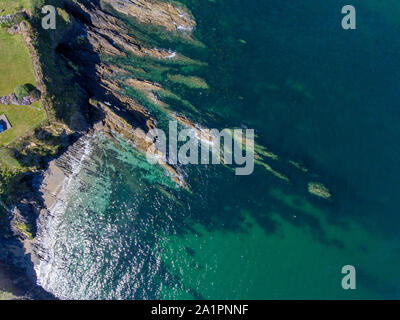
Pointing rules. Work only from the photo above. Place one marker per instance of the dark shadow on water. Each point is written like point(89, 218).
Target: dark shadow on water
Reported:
point(17, 267)
point(218, 202)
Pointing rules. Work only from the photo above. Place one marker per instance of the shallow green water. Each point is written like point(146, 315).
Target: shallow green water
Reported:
point(315, 94)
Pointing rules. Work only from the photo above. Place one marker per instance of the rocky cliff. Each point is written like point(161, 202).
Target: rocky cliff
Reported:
point(74, 58)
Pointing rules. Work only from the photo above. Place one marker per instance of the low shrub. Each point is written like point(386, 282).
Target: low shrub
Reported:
point(25, 90)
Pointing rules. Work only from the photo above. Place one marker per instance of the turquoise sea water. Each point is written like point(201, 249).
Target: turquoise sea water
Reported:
point(315, 94)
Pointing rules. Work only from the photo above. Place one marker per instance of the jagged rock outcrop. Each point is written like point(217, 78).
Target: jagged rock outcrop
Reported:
point(97, 33)
point(106, 33)
point(112, 123)
point(103, 34)
point(91, 34)
point(153, 12)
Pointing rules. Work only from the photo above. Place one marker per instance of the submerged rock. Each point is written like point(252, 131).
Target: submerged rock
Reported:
point(319, 190)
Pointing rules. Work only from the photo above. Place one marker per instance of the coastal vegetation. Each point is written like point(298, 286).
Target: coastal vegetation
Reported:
point(24, 90)
point(12, 6)
point(24, 229)
point(4, 295)
point(16, 69)
point(74, 63)
point(10, 20)
point(26, 54)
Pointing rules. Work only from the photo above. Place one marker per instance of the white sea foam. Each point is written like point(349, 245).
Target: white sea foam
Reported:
point(171, 56)
point(47, 271)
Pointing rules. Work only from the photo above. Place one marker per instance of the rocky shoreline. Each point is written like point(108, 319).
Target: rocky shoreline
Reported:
point(91, 33)
point(99, 103)
point(26, 252)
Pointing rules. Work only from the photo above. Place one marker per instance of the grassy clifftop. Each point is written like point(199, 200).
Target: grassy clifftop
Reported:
point(16, 68)
point(30, 59)
point(11, 6)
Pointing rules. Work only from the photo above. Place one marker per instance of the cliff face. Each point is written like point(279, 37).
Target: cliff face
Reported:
point(84, 90)
point(77, 50)
point(97, 33)
point(96, 102)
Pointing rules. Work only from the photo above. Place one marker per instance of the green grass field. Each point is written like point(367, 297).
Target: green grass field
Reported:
point(16, 68)
point(11, 6)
